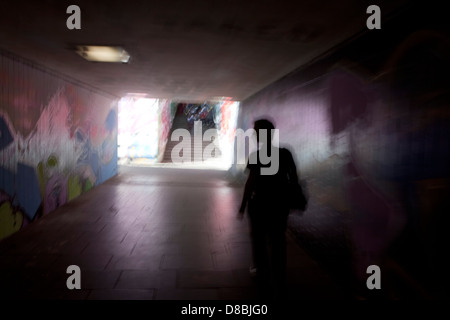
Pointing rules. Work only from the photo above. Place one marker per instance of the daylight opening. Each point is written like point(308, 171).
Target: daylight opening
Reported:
point(165, 133)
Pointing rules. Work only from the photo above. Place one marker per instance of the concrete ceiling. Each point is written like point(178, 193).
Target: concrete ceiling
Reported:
point(187, 50)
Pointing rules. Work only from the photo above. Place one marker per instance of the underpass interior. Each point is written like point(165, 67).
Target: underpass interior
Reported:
point(97, 158)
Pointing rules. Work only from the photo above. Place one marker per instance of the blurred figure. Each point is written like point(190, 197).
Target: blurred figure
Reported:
point(397, 177)
point(268, 209)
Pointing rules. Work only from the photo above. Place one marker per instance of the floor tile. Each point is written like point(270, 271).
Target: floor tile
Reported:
point(121, 294)
point(146, 234)
point(138, 279)
point(206, 279)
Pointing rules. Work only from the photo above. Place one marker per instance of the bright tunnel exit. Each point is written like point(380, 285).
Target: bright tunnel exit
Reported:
point(138, 128)
point(149, 131)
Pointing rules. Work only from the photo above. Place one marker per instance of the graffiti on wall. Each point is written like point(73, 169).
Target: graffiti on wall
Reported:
point(167, 112)
point(228, 117)
point(53, 149)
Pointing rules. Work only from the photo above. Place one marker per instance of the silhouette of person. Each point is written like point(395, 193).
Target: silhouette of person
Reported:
point(268, 208)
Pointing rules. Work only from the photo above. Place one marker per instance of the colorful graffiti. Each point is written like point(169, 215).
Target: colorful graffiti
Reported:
point(228, 117)
point(167, 114)
point(57, 141)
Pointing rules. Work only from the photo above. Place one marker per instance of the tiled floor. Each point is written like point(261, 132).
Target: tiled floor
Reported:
point(149, 233)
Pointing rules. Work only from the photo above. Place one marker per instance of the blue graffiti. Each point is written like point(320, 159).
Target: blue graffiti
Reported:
point(6, 181)
point(111, 120)
point(27, 190)
point(23, 187)
point(6, 137)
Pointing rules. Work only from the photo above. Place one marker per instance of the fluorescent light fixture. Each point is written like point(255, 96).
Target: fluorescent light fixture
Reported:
point(103, 53)
point(221, 98)
point(136, 94)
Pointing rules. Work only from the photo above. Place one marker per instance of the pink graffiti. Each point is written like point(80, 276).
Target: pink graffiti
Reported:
point(55, 193)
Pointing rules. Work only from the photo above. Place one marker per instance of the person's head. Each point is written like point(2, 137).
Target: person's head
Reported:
point(264, 124)
point(268, 154)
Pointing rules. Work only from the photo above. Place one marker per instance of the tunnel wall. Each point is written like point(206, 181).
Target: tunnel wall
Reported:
point(167, 113)
point(58, 139)
point(368, 123)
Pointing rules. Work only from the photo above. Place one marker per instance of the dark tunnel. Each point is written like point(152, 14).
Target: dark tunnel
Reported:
point(136, 172)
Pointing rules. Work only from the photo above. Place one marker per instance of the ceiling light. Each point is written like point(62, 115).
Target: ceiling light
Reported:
point(103, 53)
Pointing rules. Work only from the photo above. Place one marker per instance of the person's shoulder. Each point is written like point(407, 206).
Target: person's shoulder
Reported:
point(285, 151)
point(253, 153)
point(252, 160)
point(286, 154)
